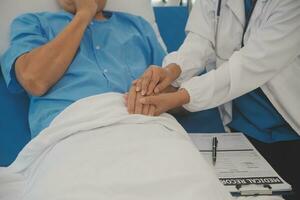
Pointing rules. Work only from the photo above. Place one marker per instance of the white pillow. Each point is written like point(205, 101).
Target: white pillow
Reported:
point(10, 9)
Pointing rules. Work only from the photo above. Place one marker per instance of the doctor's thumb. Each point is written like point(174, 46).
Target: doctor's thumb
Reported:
point(162, 86)
point(149, 100)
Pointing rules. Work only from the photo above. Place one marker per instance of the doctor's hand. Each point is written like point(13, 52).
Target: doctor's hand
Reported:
point(167, 101)
point(87, 7)
point(134, 106)
point(156, 79)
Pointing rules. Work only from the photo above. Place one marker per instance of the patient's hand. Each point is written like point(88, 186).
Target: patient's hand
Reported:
point(134, 106)
point(88, 7)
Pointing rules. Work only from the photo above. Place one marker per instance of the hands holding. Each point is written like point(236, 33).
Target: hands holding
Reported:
point(156, 79)
point(134, 105)
point(152, 94)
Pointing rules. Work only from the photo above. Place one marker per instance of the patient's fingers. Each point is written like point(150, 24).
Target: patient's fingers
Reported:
point(131, 100)
point(126, 99)
point(152, 110)
point(138, 105)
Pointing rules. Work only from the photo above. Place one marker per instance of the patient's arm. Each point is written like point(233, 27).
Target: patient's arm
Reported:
point(38, 70)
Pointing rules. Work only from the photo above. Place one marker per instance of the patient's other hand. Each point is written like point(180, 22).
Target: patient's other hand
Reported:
point(87, 7)
point(134, 106)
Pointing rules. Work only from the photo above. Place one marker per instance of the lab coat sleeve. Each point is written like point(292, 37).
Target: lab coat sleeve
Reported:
point(269, 50)
point(197, 49)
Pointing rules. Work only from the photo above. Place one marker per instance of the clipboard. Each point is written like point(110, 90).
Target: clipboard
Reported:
point(239, 166)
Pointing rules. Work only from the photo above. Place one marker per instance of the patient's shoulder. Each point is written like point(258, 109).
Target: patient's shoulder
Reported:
point(26, 18)
point(46, 22)
point(41, 17)
point(37, 15)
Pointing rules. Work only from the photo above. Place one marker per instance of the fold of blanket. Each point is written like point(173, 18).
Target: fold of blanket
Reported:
point(95, 150)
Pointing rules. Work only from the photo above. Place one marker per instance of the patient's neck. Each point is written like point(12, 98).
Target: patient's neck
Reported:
point(100, 16)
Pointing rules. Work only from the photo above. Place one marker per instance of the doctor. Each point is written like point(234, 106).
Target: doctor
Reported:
point(251, 53)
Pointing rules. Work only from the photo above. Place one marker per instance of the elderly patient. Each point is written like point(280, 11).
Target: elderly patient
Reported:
point(59, 58)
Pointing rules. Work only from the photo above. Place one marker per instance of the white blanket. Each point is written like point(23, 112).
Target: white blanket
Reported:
point(95, 150)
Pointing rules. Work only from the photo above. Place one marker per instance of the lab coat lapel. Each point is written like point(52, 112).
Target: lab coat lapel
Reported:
point(237, 7)
point(257, 12)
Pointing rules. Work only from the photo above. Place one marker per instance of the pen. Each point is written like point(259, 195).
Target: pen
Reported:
point(214, 150)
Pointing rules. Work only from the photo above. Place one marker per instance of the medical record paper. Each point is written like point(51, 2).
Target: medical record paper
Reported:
point(239, 166)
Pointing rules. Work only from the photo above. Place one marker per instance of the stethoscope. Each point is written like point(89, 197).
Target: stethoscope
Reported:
point(218, 14)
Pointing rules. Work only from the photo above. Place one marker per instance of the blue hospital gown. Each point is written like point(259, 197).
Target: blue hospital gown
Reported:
point(112, 54)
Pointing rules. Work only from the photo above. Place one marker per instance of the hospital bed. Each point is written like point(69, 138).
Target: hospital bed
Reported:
point(14, 130)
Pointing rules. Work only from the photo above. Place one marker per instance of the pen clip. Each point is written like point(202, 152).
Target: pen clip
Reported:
point(215, 141)
point(246, 190)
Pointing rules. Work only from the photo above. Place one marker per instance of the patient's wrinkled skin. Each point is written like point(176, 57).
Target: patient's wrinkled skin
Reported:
point(95, 7)
point(30, 67)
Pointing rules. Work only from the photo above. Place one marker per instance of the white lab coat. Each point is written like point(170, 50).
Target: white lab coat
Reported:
point(270, 58)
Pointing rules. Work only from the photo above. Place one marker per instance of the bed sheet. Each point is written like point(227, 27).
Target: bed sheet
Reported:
point(95, 150)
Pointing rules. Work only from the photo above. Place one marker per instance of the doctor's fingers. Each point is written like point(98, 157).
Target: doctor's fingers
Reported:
point(158, 75)
point(146, 76)
point(131, 100)
point(152, 110)
point(150, 100)
point(149, 110)
point(146, 82)
point(162, 85)
point(146, 109)
point(153, 83)
point(161, 102)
